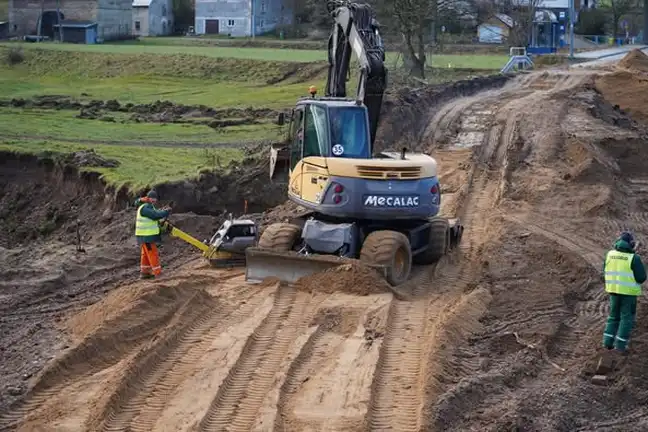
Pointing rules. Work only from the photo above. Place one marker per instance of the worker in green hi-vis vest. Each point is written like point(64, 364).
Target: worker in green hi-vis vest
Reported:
point(624, 274)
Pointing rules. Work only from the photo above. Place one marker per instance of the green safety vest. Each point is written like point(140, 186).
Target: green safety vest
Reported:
point(619, 278)
point(145, 226)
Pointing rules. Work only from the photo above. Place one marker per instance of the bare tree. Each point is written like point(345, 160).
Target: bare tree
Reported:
point(618, 8)
point(523, 13)
point(415, 21)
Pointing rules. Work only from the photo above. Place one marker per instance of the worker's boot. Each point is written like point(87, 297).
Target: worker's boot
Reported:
point(146, 276)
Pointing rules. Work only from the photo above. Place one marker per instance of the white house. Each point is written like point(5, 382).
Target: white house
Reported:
point(239, 17)
point(152, 17)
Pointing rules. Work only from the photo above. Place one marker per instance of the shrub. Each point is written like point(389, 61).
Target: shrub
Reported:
point(15, 55)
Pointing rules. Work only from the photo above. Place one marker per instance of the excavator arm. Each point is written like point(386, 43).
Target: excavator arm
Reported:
point(356, 30)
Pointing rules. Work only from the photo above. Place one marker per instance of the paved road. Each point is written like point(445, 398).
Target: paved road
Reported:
point(607, 52)
point(606, 56)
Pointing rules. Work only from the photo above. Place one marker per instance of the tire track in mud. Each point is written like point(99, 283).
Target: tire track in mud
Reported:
point(104, 349)
point(150, 381)
point(455, 116)
point(414, 361)
point(477, 394)
point(312, 355)
point(449, 314)
point(243, 391)
point(593, 305)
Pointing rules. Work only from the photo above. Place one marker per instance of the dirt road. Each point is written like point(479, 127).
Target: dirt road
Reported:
point(501, 335)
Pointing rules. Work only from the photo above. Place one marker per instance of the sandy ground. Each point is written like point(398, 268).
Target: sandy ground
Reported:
point(501, 335)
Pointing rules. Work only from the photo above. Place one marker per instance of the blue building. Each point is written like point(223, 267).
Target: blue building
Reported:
point(241, 17)
point(84, 32)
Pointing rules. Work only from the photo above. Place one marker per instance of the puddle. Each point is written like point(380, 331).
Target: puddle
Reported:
point(474, 126)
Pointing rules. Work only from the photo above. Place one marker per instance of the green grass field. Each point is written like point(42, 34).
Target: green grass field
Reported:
point(146, 71)
point(62, 125)
point(139, 166)
point(266, 54)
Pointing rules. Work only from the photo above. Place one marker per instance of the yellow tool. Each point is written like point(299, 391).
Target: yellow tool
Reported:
point(227, 246)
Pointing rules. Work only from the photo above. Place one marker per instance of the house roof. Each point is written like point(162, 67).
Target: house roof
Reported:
point(141, 3)
point(507, 20)
point(76, 24)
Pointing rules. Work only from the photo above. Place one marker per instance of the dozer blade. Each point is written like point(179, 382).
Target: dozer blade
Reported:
point(279, 160)
point(289, 267)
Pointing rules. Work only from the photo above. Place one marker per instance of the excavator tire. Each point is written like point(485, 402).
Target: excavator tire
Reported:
point(280, 237)
point(390, 249)
point(438, 242)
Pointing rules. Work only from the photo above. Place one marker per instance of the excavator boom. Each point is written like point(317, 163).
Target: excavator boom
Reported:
point(356, 30)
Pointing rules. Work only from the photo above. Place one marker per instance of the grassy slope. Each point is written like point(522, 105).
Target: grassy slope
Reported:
point(202, 75)
point(139, 166)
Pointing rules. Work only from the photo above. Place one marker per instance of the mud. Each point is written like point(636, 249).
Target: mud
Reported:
point(246, 188)
point(406, 111)
point(46, 206)
point(157, 112)
point(348, 278)
point(502, 334)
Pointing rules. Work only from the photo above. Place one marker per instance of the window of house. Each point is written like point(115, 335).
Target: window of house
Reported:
point(261, 23)
point(137, 25)
point(263, 6)
point(164, 11)
point(230, 23)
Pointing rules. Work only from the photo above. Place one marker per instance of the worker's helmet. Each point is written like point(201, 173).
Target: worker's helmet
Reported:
point(627, 237)
point(152, 195)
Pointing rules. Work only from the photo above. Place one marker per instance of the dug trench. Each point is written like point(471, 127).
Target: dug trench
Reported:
point(500, 335)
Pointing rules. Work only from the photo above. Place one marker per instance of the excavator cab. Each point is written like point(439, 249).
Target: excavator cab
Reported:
point(322, 128)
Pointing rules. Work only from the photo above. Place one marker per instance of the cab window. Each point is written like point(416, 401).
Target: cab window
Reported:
point(296, 137)
point(349, 133)
point(316, 137)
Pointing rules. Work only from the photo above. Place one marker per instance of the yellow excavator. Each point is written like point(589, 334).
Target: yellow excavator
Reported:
point(379, 208)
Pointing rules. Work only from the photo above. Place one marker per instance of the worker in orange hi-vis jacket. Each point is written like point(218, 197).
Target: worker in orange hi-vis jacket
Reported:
point(147, 232)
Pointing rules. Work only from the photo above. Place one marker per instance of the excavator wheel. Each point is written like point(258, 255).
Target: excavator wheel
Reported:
point(390, 249)
point(280, 237)
point(439, 242)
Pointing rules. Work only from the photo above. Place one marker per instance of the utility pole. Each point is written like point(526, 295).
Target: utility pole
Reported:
point(59, 21)
point(572, 19)
point(40, 22)
point(645, 26)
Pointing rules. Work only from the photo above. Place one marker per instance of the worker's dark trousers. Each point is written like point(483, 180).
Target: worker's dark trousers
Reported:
point(623, 310)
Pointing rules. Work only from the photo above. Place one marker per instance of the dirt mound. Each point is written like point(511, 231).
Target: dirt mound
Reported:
point(117, 311)
point(156, 112)
point(626, 90)
point(635, 60)
point(580, 160)
point(351, 278)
